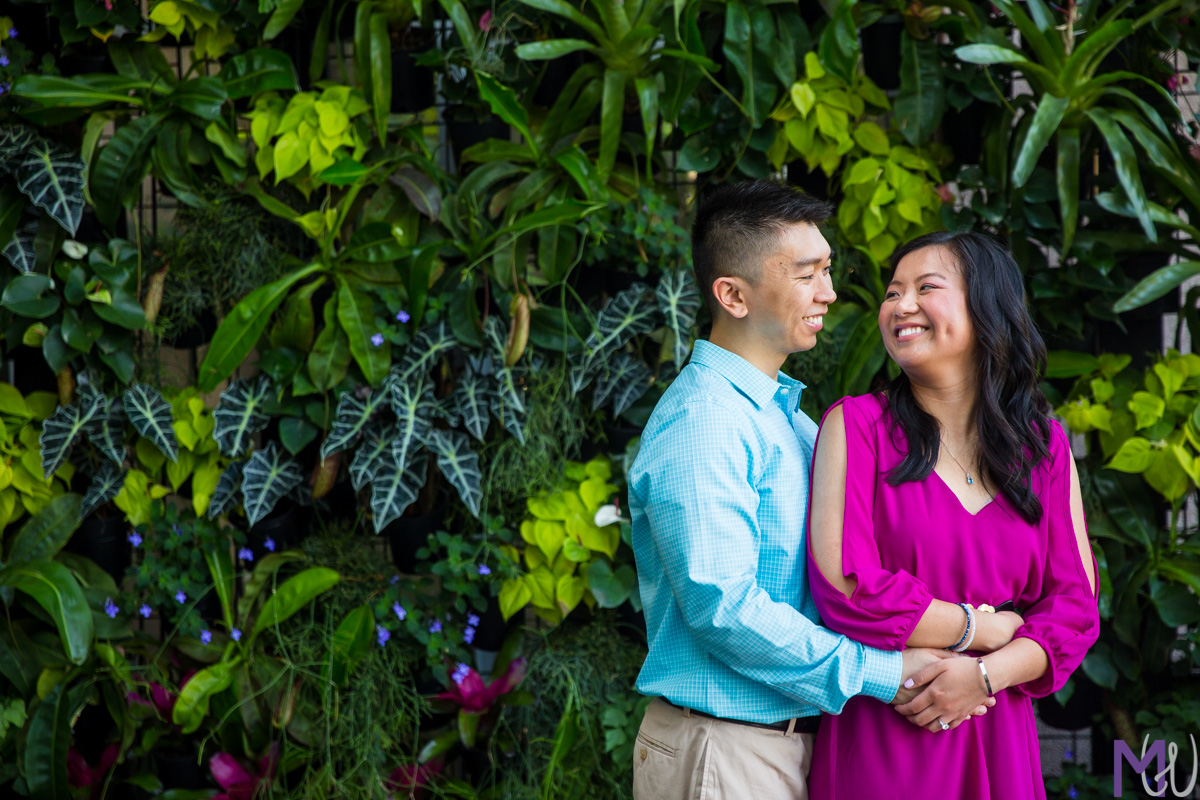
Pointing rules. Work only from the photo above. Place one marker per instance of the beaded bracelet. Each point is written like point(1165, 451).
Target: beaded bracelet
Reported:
point(971, 629)
point(970, 624)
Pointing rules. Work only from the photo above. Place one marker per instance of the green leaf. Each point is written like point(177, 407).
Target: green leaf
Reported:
point(610, 589)
point(105, 485)
point(396, 479)
point(514, 596)
point(350, 643)
point(425, 351)
point(678, 301)
point(567, 11)
point(504, 104)
point(612, 106)
point(46, 746)
point(266, 478)
point(381, 72)
point(922, 100)
point(116, 176)
point(351, 419)
point(285, 11)
point(200, 97)
point(151, 415)
point(1136, 455)
point(192, 705)
point(1176, 605)
point(1046, 119)
point(551, 49)
point(377, 441)
point(344, 172)
point(838, 46)
point(54, 588)
point(1067, 167)
point(51, 175)
point(354, 311)
point(626, 315)
point(330, 357)
point(863, 358)
point(1156, 284)
point(261, 69)
point(141, 61)
point(64, 427)
point(220, 567)
point(1070, 364)
point(241, 330)
point(45, 533)
point(30, 296)
point(224, 496)
point(1125, 161)
point(240, 413)
point(460, 464)
point(295, 593)
point(624, 379)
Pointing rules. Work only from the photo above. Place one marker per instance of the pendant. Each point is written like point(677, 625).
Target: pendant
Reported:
point(969, 481)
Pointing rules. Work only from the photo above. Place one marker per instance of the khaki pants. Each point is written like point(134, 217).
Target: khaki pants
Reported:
point(683, 756)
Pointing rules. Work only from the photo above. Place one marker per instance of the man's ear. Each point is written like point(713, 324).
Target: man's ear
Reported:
point(730, 293)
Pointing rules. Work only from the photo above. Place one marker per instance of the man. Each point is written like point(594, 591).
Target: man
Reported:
point(719, 499)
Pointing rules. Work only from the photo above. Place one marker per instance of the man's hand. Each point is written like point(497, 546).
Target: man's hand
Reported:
point(916, 659)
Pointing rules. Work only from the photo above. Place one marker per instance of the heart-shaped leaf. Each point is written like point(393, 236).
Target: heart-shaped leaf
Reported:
point(395, 486)
point(52, 176)
point(151, 415)
point(624, 381)
point(353, 415)
point(224, 498)
point(240, 414)
point(65, 426)
point(377, 441)
point(423, 353)
point(460, 464)
point(470, 402)
point(268, 476)
point(106, 430)
point(104, 487)
point(679, 300)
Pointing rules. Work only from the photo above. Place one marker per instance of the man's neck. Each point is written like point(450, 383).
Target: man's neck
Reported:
point(759, 354)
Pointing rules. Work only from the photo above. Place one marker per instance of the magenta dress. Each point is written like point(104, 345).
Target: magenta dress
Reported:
point(906, 545)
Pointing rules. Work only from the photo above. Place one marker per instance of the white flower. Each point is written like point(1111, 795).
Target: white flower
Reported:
point(74, 249)
point(607, 515)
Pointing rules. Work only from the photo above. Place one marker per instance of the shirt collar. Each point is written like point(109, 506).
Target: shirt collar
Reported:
point(747, 378)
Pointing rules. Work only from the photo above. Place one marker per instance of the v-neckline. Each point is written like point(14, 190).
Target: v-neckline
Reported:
point(983, 508)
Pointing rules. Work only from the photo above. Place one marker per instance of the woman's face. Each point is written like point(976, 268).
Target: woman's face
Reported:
point(924, 320)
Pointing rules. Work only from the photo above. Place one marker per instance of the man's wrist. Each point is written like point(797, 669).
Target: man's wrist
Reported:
point(882, 673)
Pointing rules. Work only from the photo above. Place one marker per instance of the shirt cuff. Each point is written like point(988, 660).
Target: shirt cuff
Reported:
point(882, 671)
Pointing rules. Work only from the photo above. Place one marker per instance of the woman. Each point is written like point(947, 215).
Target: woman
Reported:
point(950, 494)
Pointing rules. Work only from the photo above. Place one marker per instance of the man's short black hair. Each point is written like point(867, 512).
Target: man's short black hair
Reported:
point(737, 227)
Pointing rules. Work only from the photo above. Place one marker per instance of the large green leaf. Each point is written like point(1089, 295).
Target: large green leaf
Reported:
point(381, 72)
point(224, 498)
point(460, 464)
point(84, 91)
point(505, 105)
point(377, 441)
point(47, 743)
point(54, 588)
point(105, 485)
point(330, 357)
point(1156, 284)
point(1125, 161)
point(192, 705)
point(624, 380)
point(45, 533)
point(469, 403)
point(626, 315)
point(241, 330)
point(141, 61)
point(922, 99)
point(351, 641)
point(52, 176)
point(295, 593)
point(612, 105)
point(266, 478)
point(1046, 119)
point(395, 484)
point(551, 49)
point(220, 567)
point(414, 407)
point(240, 413)
point(285, 11)
point(31, 295)
point(64, 427)
point(355, 314)
point(201, 97)
point(258, 70)
point(352, 417)
point(151, 414)
point(19, 250)
point(116, 176)
point(1067, 169)
point(678, 301)
point(424, 351)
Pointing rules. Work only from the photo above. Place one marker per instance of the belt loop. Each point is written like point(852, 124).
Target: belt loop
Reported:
point(791, 726)
point(687, 712)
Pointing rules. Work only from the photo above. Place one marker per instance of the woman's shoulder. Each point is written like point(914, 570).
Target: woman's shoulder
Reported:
point(865, 409)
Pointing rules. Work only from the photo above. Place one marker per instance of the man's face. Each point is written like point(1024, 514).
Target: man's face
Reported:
point(789, 300)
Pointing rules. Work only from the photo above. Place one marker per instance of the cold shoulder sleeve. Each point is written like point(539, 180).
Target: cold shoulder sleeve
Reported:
point(1064, 619)
point(885, 606)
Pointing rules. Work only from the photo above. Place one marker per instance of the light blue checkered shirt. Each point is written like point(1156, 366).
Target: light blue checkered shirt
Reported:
point(719, 498)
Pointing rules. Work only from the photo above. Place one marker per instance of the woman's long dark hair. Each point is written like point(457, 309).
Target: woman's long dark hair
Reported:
point(1010, 409)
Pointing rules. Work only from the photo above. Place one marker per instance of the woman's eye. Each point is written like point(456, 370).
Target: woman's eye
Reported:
point(890, 295)
point(925, 286)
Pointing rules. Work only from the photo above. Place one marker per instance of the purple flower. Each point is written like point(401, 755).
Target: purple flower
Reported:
point(377, 339)
point(403, 316)
point(246, 554)
point(460, 673)
point(472, 620)
point(12, 33)
point(436, 627)
point(382, 635)
point(236, 635)
point(400, 612)
point(1069, 755)
point(484, 569)
point(180, 597)
point(3, 88)
point(135, 539)
point(469, 635)
point(175, 529)
point(110, 608)
point(1071, 793)
point(269, 544)
point(395, 579)
point(206, 637)
point(145, 611)
point(3, 61)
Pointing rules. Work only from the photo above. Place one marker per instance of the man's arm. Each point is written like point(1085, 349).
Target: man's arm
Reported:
point(702, 512)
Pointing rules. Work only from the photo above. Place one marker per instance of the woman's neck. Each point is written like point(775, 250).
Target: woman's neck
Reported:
point(952, 404)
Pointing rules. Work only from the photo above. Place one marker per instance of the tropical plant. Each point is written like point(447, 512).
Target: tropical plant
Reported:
point(43, 191)
point(26, 488)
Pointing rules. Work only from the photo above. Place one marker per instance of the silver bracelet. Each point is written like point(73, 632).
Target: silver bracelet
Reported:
point(969, 636)
point(987, 682)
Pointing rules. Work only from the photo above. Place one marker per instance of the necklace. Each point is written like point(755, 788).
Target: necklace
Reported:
point(970, 481)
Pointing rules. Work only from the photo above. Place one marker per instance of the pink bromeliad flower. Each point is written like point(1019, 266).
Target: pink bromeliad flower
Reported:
point(82, 775)
point(485, 22)
point(237, 781)
point(473, 696)
point(409, 780)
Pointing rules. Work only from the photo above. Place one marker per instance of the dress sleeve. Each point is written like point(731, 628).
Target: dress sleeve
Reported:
point(1064, 619)
point(885, 605)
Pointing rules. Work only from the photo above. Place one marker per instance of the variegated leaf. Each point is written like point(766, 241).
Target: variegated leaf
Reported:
point(460, 464)
point(624, 381)
point(240, 414)
point(679, 300)
point(395, 487)
point(19, 250)
point(497, 338)
point(52, 176)
point(106, 430)
point(151, 415)
point(65, 426)
point(104, 487)
point(14, 140)
point(423, 352)
point(268, 475)
point(377, 441)
point(625, 316)
point(415, 408)
point(513, 420)
point(224, 497)
point(353, 415)
point(470, 402)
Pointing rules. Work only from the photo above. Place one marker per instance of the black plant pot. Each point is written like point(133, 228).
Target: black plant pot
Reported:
point(407, 535)
point(286, 526)
point(103, 540)
point(412, 85)
point(881, 51)
point(180, 771)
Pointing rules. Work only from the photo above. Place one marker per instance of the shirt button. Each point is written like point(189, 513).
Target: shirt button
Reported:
point(643, 754)
point(784, 390)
